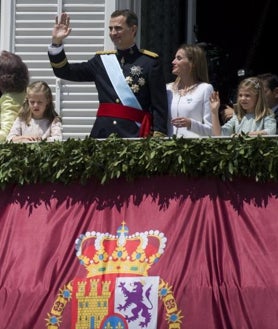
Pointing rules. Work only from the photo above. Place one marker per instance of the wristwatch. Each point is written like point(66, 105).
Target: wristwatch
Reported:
point(56, 45)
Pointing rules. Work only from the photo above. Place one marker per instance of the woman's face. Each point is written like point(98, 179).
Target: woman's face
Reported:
point(181, 63)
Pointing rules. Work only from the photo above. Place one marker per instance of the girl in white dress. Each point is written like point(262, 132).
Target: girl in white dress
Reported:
point(189, 95)
point(37, 119)
point(251, 116)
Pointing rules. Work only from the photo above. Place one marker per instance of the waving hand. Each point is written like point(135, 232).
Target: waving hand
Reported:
point(61, 28)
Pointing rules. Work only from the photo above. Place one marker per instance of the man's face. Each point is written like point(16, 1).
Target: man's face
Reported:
point(120, 33)
point(270, 95)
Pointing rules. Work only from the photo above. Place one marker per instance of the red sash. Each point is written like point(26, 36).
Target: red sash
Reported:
point(129, 113)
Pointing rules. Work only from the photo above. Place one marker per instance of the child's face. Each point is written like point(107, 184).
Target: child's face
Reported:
point(37, 103)
point(247, 99)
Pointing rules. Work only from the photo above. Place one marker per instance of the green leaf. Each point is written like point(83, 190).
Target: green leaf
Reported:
point(81, 160)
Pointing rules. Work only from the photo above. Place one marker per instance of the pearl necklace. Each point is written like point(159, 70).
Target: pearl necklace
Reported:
point(184, 91)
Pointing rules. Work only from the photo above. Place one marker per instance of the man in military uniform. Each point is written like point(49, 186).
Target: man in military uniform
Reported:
point(130, 82)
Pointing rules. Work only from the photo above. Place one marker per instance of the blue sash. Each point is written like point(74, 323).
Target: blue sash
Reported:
point(118, 81)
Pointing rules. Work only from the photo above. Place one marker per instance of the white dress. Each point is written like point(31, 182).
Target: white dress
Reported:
point(194, 105)
point(37, 127)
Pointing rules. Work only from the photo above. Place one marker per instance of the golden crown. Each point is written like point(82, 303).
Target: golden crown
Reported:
point(104, 253)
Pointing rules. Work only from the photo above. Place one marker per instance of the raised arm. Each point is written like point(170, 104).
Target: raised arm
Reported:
point(61, 29)
point(214, 107)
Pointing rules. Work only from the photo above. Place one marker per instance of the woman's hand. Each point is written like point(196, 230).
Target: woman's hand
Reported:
point(182, 122)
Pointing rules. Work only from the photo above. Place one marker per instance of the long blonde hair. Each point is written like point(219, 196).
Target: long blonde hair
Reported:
point(25, 113)
point(255, 86)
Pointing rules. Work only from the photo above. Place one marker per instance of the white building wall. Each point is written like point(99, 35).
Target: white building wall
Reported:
point(26, 27)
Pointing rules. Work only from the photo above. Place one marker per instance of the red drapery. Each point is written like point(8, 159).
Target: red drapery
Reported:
point(218, 269)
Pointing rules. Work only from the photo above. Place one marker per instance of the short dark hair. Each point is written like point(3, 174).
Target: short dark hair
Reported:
point(131, 17)
point(271, 80)
point(14, 75)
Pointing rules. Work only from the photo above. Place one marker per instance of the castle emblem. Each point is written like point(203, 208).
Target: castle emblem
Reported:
point(117, 291)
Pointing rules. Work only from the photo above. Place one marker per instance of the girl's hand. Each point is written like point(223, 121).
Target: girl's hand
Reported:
point(257, 133)
point(26, 139)
point(214, 102)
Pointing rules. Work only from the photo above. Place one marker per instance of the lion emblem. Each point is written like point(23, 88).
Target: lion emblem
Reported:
point(134, 301)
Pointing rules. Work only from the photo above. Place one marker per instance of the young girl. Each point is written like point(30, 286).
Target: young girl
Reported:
point(252, 116)
point(37, 120)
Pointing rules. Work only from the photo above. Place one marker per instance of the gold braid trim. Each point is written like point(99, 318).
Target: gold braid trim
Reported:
point(106, 52)
point(149, 53)
point(60, 64)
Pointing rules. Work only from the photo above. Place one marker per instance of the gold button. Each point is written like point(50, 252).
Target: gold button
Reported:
point(117, 100)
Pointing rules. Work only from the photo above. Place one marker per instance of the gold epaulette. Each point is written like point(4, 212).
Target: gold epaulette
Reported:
point(106, 52)
point(149, 53)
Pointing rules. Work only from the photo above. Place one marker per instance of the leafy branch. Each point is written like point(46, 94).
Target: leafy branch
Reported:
point(112, 158)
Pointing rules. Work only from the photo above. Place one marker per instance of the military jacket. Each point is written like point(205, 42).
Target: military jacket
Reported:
point(144, 74)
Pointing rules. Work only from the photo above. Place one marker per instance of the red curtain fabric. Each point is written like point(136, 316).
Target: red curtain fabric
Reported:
point(217, 264)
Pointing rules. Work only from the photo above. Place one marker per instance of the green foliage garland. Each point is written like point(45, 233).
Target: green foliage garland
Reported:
point(80, 160)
